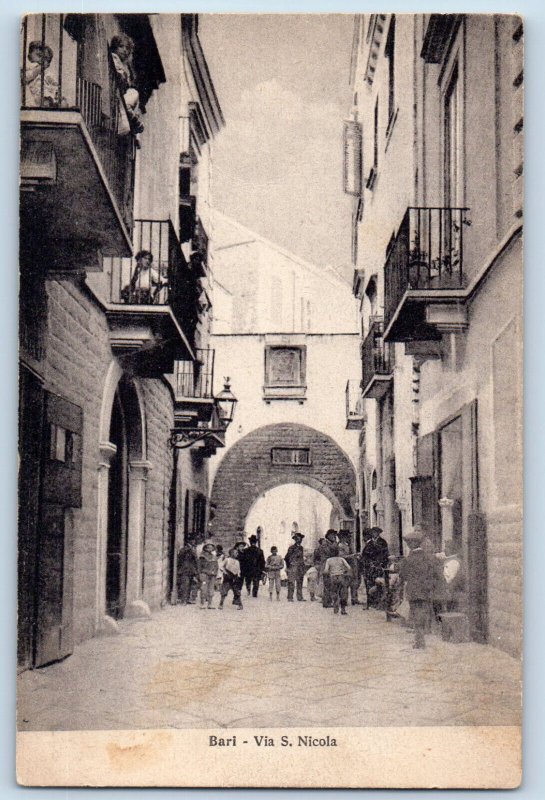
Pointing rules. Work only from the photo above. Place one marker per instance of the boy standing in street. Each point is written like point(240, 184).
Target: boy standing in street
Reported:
point(231, 579)
point(273, 567)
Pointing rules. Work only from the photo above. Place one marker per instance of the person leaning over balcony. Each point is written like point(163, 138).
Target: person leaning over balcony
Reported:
point(121, 49)
point(146, 282)
point(40, 56)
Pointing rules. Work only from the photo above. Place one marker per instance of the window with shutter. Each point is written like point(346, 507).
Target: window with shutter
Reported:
point(353, 167)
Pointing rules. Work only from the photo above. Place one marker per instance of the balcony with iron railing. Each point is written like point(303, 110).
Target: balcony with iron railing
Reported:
point(152, 299)
point(199, 249)
point(354, 409)
point(195, 379)
point(194, 388)
point(78, 149)
point(424, 275)
point(377, 362)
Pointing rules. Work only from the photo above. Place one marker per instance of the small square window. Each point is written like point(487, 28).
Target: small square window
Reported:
point(290, 456)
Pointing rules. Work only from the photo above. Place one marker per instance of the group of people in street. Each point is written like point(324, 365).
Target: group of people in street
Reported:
point(333, 574)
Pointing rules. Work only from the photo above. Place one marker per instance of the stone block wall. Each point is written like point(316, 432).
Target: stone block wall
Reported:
point(76, 361)
point(160, 419)
point(247, 470)
point(77, 355)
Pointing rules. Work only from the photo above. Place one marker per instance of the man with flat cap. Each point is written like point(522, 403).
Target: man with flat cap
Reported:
point(295, 566)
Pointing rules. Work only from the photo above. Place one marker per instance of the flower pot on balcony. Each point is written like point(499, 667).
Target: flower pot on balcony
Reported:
point(418, 273)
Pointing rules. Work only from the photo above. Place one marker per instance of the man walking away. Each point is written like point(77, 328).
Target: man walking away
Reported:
point(252, 564)
point(295, 567)
point(231, 579)
point(339, 573)
point(419, 572)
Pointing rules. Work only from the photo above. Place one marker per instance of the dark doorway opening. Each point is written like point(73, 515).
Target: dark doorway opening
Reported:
point(118, 479)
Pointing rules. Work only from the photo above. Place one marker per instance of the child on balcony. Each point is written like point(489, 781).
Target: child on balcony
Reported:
point(121, 48)
point(40, 56)
point(146, 282)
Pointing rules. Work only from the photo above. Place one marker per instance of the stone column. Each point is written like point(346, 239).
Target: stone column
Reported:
point(138, 475)
point(447, 520)
point(103, 623)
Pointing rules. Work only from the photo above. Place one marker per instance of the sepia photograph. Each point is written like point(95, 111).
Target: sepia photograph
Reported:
point(270, 400)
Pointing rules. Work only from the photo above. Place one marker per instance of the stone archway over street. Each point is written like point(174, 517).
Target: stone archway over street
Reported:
point(274, 455)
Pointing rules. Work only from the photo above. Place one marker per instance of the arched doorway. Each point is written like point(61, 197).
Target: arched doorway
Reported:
point(275, 455)
point(126, 437)
point(121, 502)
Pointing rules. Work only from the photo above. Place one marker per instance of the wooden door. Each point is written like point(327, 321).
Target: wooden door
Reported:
point(31, 430)
point(61, 489)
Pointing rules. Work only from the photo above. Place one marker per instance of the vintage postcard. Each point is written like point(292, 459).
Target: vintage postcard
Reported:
point(270, 477)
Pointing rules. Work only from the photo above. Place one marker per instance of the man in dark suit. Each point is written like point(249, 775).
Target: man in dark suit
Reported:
point(295, 566)
point(374, 558)
point(252, 564)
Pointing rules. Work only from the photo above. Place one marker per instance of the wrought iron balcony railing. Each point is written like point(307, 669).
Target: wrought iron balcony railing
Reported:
point(199, 247)
point(426, 254)
point(377, 361)
point(53, 78)
point(164, 280)
point(195, 379)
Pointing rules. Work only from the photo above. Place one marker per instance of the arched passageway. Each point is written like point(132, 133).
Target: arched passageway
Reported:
point(276, 509)
point(272, 456)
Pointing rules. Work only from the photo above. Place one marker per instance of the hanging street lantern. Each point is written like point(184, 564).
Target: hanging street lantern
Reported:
point(226, 403)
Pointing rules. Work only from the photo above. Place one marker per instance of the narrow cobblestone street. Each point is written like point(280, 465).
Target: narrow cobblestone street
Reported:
point(273, 664)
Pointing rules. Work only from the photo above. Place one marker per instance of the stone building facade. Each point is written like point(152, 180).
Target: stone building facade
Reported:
point(289, 356)
point(101, 504)
point(433, 159)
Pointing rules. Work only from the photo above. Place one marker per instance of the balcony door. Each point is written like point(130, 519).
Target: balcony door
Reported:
point(452, 145)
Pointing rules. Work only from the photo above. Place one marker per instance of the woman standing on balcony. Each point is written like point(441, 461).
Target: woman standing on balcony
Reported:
point(121, 48)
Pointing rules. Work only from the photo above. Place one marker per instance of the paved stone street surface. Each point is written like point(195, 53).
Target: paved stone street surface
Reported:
point(270, 665)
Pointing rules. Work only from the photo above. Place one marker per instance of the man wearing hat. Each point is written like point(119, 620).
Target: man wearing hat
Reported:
point(346, 551)
point(252, 565)
point(374, 558)
point(295, 566)
point(329, 549)
point(419, 572)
